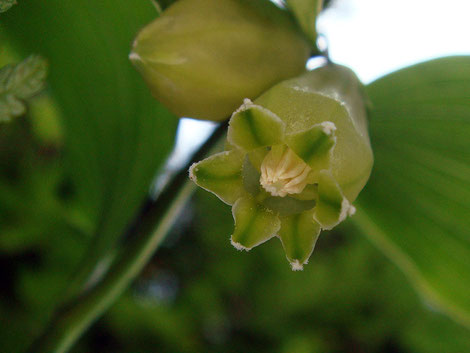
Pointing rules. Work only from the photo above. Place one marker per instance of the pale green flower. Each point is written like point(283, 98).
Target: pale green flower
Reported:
point(296, 160)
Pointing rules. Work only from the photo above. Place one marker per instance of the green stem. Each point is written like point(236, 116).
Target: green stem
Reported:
point(145, 236)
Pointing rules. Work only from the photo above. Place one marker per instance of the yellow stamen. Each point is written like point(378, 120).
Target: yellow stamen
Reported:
point(283, 172)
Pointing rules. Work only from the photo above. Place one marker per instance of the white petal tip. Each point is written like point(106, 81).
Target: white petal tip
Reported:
point(239, 246)
point(351, 211)
point(345, 210)
point(328, 127)
point(296, 265)
point(134, 57)
point(191, 172)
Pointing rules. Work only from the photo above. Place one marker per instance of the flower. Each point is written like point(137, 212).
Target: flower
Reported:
point(200, 58)
point(296, 159)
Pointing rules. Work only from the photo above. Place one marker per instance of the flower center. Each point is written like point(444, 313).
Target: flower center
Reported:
point(283, 172)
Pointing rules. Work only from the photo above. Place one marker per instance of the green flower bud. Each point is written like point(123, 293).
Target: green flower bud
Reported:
point(298, 157)
point(200, 58)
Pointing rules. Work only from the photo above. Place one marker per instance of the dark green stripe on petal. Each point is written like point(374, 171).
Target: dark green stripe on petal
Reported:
point(298, 235)
point(220, 174)
point(250, 177)
point(332, 207)
point(253, 126)
point(314, 145)
point(254, 224)
point(287, 206)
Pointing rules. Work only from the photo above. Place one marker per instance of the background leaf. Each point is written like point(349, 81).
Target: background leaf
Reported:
point(417, 203)
point(6, 5)
point(116, 134)
point(18, 83)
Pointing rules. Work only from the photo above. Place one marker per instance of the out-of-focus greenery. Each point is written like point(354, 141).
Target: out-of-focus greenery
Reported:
point(416, 204)
point(18, 83)
point(349, 298)
point(200, 294)
point(6, 5)
point(115, 134)
point(80, 162)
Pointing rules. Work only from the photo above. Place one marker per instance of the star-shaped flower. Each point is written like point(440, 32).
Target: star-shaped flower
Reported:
point(295, 161)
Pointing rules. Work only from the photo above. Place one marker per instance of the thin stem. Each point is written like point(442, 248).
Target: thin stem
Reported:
point(147, 233)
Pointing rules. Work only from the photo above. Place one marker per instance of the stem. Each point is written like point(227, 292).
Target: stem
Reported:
point(147, 233)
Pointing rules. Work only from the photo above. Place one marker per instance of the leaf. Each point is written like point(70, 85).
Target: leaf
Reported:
point(18, 83)
point(5, 5)
point(116, 134)
point(416, 207)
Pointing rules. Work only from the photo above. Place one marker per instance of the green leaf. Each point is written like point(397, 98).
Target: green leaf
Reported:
point(18, 83)
point(306, 12)
point(116, 134)
point(416, 207)
point(6, 5)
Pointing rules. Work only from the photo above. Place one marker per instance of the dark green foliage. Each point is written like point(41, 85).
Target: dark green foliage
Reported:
point(5, 5)
point(77, 166)
point(116, 134)
point(349, 298)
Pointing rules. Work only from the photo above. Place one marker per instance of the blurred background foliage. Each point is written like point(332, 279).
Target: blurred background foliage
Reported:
point(78, 165)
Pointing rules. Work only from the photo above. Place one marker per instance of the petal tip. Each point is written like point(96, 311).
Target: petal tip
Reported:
point(297, 265)
point(192, 176)
point(239, 246)
point(351, 210)
point(328, 127)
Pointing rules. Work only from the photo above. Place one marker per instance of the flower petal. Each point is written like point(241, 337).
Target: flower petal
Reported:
point(220, 174)
point(314, 145)
point(253, 126)
point(332, 207)
point(254, 224)
point(298, 235)
point(287, 206)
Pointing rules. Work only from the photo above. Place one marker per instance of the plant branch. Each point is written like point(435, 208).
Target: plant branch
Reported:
point(149, 229)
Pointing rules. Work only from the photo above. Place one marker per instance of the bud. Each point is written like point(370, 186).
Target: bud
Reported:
point(200, 58)
point(298, 157)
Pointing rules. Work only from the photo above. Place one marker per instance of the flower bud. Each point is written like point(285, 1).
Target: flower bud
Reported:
point(200, 58)
point(300, 155)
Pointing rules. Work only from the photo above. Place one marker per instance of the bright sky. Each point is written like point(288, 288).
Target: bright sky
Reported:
point(374, 37)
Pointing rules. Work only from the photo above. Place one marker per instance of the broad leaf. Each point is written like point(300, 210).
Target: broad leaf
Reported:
point(116, 134)
point(416, 207)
